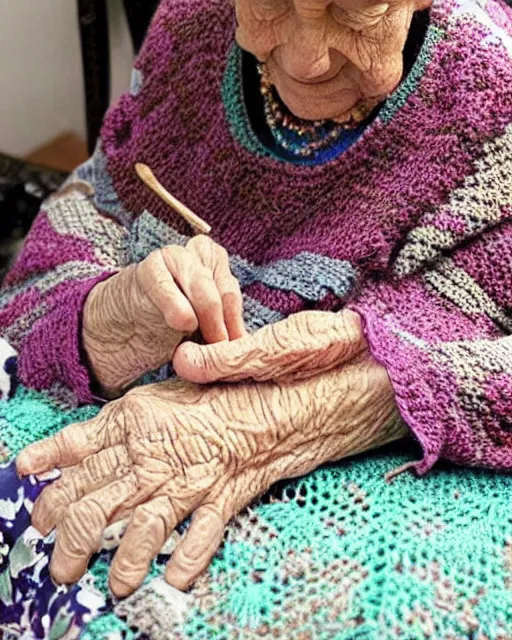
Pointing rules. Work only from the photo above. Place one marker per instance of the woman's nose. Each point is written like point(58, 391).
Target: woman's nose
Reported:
point(306, 59)
point(306, 56)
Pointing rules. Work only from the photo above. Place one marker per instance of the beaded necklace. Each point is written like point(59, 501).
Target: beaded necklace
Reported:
point(302, 138)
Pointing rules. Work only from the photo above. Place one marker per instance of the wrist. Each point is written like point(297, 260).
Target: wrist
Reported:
point(107, 326)
point(340, 413)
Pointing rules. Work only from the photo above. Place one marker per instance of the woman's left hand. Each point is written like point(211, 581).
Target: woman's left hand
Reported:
point(168, 450)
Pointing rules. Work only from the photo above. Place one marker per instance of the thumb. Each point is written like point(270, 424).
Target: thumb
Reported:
point(299, 347)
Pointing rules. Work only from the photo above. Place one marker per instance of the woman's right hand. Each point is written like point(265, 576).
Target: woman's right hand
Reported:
point(134, 321)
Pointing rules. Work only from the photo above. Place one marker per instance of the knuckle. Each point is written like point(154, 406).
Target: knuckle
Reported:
point(351, 318)
point(132, 400)
point(200, 242)
point(143, 517)
point(73, 512)
point(202, 273)
point(151, 265)
point(183, 320)
point(222, 254)
point(62, 492)
point(150, 261)
point(62, 443)
point(174, 254)
point(133, 405)
point(350, 325)
point(206, 293)
point(231, 285)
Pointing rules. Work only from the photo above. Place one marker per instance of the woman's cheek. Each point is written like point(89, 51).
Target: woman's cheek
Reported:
point(259, 41)
point(383, 80)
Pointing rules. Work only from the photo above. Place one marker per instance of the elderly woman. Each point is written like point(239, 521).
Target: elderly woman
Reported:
point(354, 161)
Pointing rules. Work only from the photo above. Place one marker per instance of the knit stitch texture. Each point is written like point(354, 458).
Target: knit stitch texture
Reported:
point(338, 555)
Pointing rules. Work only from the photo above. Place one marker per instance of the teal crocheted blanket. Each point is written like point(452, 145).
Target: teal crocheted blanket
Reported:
point(339, 554)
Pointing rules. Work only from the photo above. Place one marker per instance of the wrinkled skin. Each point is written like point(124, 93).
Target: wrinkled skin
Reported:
point(133, 322)
point(328, 58)
point(165, 451)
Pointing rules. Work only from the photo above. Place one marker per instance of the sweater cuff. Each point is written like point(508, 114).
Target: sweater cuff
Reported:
point(413, 378)
point(52, 356)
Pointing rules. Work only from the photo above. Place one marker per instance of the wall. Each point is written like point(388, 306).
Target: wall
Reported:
point(40, 70)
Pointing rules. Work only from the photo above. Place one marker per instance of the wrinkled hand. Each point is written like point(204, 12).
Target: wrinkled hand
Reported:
point(134, 321)
point(165, 451)
point(297, 348)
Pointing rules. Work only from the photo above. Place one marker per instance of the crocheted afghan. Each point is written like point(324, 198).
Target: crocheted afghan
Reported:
point(338, 555)
point(411, 226)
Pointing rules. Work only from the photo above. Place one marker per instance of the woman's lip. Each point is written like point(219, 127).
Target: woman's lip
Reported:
point(328, 76)
point(314, 82)
point(321, 85)
point(328, 86)
point(320, 91)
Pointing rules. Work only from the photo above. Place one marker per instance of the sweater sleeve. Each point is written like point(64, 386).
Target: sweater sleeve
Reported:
point(444, 336)
point(78, 239)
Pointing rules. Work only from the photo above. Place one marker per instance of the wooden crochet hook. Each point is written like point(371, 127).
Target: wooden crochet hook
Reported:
point(149, 179)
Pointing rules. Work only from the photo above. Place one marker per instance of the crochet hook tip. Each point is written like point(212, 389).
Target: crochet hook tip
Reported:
point(148, 177)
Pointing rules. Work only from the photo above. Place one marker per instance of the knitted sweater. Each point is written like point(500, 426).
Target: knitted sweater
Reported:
point(411, 226)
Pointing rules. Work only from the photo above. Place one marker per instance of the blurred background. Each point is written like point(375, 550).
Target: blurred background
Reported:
point(63, 63)
point(41, 74)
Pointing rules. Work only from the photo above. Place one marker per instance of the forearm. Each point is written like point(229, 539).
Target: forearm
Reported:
point(42, 299)
point(353, 411)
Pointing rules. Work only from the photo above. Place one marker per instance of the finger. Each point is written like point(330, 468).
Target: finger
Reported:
point(71, 445)
point(233, 308)
point(207, 303)
point(198, 285)
point(158, 280)
point(231, 296)
point(234, 360)
point(194, 552)
point(149, 528)
point(94, 472)
point(216, 259)
point(79, 533)
point(300, 346)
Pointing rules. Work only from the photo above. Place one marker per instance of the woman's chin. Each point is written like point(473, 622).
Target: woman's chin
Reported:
point(320, 113)
point(308, 107)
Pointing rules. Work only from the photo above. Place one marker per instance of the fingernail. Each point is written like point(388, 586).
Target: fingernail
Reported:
point(120, 588)
point(177, 579)
point(67, 570)
point(31, 462)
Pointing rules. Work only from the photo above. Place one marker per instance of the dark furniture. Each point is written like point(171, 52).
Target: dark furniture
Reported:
point(93, 20)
